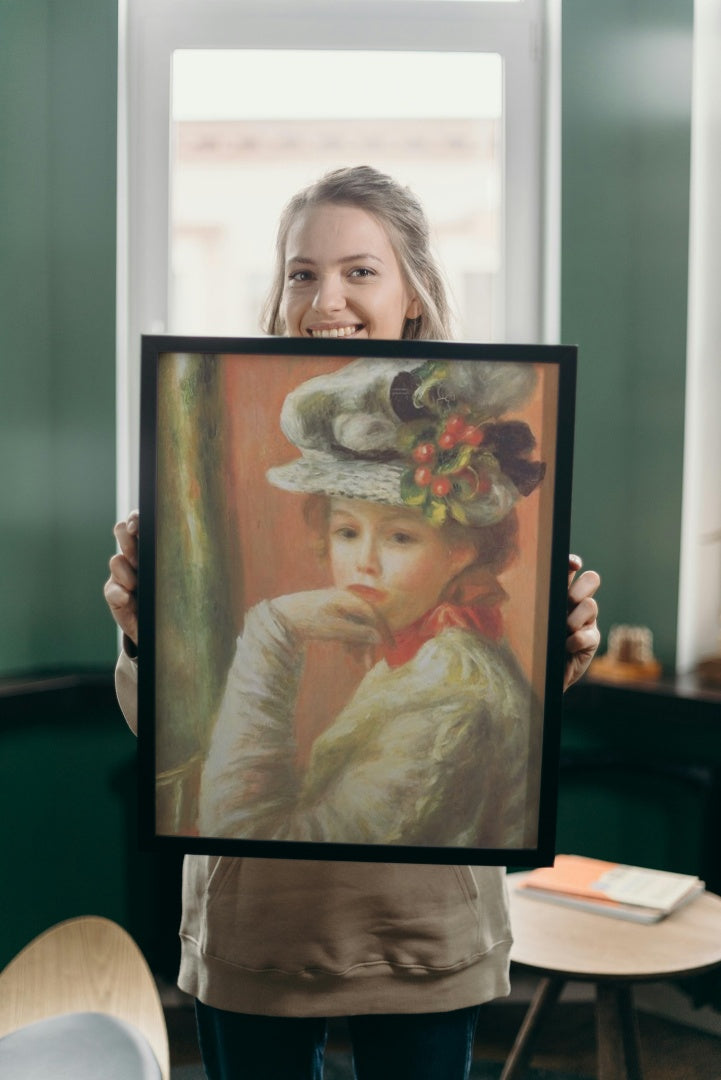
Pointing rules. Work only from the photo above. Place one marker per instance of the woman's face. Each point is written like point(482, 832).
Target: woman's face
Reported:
point(392, 557)
point(342, 277)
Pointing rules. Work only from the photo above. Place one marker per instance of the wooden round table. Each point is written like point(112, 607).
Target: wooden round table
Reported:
point(563, 944)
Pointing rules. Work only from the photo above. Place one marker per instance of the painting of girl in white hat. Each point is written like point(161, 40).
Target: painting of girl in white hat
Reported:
point(410, 474)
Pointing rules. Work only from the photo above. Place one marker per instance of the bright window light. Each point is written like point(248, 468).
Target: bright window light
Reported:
point(220, 84)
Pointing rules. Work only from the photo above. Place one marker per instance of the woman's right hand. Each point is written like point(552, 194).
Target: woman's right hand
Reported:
point(121, 587)
point(333, 615)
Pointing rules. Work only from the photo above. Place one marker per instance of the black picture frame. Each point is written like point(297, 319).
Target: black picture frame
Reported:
point(218, 540)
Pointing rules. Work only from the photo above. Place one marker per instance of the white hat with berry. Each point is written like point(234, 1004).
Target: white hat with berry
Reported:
point(430, 436)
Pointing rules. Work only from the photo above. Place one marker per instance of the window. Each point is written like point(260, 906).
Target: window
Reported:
point(227, 107)
point(235, 160)
point(699, 623)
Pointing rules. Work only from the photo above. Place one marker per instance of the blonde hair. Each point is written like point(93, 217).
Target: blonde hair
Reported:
point(403, 217)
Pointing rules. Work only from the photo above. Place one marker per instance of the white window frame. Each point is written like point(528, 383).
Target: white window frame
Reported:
point(699, 597)
point(526, 34)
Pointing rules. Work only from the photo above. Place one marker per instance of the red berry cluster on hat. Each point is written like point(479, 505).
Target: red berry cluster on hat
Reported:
point(455, 457)
point(449, 468)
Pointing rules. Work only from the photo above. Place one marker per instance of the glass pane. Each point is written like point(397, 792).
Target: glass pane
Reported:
point(454, 1)
point(250, 128)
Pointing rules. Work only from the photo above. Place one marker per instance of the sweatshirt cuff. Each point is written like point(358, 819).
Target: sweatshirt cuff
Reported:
point(130, 648)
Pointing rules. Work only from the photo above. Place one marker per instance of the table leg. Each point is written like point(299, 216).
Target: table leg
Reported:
point(617, 1033)
point(545, 997)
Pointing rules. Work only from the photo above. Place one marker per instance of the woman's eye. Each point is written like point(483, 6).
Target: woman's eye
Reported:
point(345, 532)
point(300, 276)
point(402, 538)
point(362, 272)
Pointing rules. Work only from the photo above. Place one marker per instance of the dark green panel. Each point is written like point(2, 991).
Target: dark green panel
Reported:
point(82, 268)
point(68, 785)
point(26, 482)
point(626, 145)
point(641, 777)
point(58, 75)
point(641, 820)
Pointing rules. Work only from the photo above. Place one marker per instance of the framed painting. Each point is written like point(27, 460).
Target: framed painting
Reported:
point(352, 597)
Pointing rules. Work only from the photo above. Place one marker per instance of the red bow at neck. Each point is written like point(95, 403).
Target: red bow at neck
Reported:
point(482, 619)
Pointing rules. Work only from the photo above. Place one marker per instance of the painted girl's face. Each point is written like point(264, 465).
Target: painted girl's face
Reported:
point(392, 557)
point(342, 277)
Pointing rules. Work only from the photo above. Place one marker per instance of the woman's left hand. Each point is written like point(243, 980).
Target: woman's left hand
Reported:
point(582, 633)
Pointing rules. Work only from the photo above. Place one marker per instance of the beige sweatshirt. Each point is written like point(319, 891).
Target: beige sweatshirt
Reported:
point(299, 938)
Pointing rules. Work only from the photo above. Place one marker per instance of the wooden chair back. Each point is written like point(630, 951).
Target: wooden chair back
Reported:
point(87, 964)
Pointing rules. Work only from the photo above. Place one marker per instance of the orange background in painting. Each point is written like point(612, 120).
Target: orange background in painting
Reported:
point(276, 552)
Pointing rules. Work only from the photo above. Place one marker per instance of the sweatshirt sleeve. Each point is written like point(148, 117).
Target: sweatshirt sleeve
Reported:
point(126, 689)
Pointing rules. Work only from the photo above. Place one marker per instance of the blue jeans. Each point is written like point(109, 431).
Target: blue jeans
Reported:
point(415, 1046)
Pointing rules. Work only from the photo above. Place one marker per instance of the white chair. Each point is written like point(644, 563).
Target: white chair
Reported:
point(80, 1002)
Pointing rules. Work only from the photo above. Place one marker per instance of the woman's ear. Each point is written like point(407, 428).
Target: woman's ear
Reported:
point(461, 557)
point(415, 309)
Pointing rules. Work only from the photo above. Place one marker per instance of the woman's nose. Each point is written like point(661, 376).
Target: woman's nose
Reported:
point(329, 297)
point(367, 561)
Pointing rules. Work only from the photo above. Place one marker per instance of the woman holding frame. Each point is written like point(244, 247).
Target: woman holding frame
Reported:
point(272, 948)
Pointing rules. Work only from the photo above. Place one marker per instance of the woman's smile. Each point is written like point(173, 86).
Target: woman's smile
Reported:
point(324, 331)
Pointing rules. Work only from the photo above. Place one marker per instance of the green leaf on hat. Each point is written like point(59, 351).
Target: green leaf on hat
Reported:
point(452, 461)
point(414, 432)
point(436, 511)
point(458, 512)
point(411, 493)
point(430, 374)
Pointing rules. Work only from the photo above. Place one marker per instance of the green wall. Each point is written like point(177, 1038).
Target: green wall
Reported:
point(67, 775)
point(626, 132)
point(58, 72)
point(626, 145)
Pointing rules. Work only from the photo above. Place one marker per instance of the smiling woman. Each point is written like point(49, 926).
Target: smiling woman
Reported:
point(435, 746)
point(353, 258)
